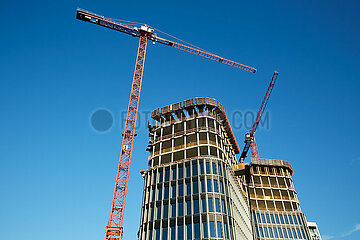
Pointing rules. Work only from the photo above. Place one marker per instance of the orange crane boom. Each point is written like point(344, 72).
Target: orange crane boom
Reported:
point(114, 228)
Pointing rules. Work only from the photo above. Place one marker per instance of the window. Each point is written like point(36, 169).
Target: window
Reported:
point(289, 233)
point(226, 231)
point(223, 206)
point(281, 219)
point(188, 207)
point(261, 232)
point(280, 233)
point(210, 203)
point(173, 210)
point(167, 175)
point(159, 193)
point(194, 169)
point(216, 188)
point(272, 218)
point(188, 232)
point(295, 219)
point(181, 190)
point(172, 232)
point(257, 231)
point(286, 219)
point(290, 219)
point(154, 178)
point(263, 218)
point(209, 188)
point(258, 218)
point(173, 174)
point(153, 193)
point(214, 168)
point(188, 188)
point(277, 219)
point(202, 185)
point(203, 204)
point(180, 209)
point(158, 212)
point(266, 232)
point(207, 168)
point(202, 167)
point(196, 206)
point(157, 233)
point(165, 212)
point(221, 187)
point(180, 232)
point(303, 234)
point(164, 233)
point(212, 229)
point(150, 234)
point(271, 233)
point(166, 192)
point(161, 175)
point(285, 234)
point(173, 190)
point(152, 214)
point(187, 170)
point(220, 170)
point(298, 233)
point(275, 233)
point(267, 218)
point(294, 233)
point(217, 204)
point(197, 230)
point(205, 230)
point(195, 187)
point(181, 172)
point(219, 229)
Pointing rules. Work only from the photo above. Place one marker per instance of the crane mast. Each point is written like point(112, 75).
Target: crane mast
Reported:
point(114, 228)
point(249, 137)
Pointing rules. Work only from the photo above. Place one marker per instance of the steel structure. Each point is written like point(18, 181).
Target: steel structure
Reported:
point(114, 229)
point(249, 137)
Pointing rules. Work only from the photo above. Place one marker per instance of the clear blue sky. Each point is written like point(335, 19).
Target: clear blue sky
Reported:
point(57, 174)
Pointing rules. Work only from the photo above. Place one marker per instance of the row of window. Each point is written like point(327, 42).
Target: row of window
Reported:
point(280, 233)
point(181, 208)
point(190, 231)
point(207, 185)
point(165, 174)
point(278, 218)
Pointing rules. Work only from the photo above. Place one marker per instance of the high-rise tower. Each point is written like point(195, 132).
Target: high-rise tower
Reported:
point(190, 191)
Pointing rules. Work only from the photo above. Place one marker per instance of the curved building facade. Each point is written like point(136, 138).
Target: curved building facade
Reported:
point(190, 191)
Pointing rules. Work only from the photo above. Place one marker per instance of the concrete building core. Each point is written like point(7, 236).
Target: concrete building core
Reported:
point(190, 190)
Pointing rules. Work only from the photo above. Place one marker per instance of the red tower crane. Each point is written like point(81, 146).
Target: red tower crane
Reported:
point(114, 229)
point(249, 137)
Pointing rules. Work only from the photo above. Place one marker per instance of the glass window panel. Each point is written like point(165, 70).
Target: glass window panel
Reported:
point(209, 188)
point(220, 170)
point(257, 231)
point(299, 220)
point(203, 204)
point(202, 171)
point(219, 229)
point(161, 175)
point(277, 219)
point(202, 185)
point(275, 233)
point(285, 233)
point(272, 218)
point(157, 233)
point(298, 233)
point(173, 174)
point(281, 219)
point(173, 210)
point(181, 172)
point(195, 169)
point(208, 168)
point(205, 230)
point(164, 233)
point(266, 232)
point(188, 207)
point(295, 219)
point(261, 232)
point(152, 214)
point(223, 206)
point(290, 219)
point(280, 233)
point(196, 206)
point(180, 209)
point(159, 193)
point(187, 169)
point(286, 219)
point(188, 232)
point(303, 233)
point(158, 212)
point(221, 187)
point(271, 233)
point(216, 188)
point(267, 218)
point(172, 232)
point(294, 233)
point(212, 229)
point(195, 187)
point(217, 204)
point(197, 230)
point(214, 168)
point(154, 179)
point(226, 231)
point(226, 190)
point(153, 193)
point(173, 190)
point(167, 175)
point(289, 233)
point(210, 204)
point(188, 188)
point(258, 218)
point(263, 218)
point(181, 232)
point(181, 190)
point(150, 234)
point(166, 192)
point(165, 211)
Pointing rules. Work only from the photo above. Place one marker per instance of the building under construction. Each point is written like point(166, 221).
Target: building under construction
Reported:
point(193, 189)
